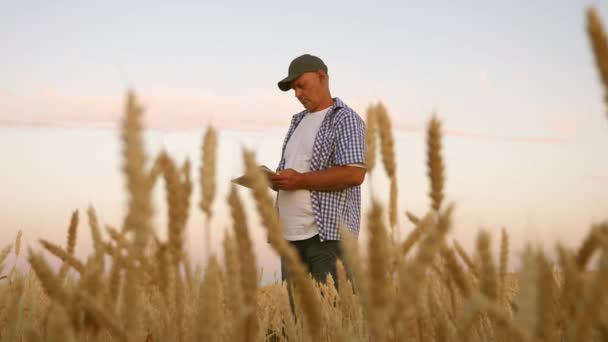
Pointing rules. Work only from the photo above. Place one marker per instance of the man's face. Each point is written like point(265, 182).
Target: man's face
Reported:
point(309, 89)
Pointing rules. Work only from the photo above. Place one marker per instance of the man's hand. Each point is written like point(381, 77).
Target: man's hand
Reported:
point(287, 179)
point(335, 178)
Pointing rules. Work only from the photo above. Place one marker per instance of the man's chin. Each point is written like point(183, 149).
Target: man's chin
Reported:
point(306, 106)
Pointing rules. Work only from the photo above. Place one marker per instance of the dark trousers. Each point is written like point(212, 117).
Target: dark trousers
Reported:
point(319, 257)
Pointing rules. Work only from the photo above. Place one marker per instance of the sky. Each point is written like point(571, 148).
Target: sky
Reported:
point(513, 82)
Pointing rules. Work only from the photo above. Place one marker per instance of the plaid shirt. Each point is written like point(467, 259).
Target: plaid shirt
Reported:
point(339, 141)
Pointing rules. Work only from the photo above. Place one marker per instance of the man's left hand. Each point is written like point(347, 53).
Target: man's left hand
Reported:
point(287, 179)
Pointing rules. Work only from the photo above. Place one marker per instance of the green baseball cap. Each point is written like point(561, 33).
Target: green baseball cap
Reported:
point(300, 65)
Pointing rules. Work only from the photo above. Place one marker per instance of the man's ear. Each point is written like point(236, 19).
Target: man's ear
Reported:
point(322, 76)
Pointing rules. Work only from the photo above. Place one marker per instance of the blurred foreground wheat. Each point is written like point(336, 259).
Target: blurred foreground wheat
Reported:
point(135, 287)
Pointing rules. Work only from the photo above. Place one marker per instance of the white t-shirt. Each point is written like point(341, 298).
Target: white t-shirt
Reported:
point(295, 207)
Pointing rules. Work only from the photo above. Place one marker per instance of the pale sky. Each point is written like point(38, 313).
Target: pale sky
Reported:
point(513, 81)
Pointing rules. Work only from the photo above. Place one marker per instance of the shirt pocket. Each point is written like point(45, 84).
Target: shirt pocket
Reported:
point(324, 155)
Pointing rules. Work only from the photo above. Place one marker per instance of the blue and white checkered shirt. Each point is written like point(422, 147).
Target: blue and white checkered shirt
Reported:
point(339, 141)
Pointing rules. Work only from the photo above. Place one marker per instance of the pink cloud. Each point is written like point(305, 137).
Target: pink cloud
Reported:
point(484, 79)
point(473, 135)
point(191, 108)
point(598, 177)
point(3, 91)
point(165, 108)
point(523, 139)
point(39, 105)
point(565, 126)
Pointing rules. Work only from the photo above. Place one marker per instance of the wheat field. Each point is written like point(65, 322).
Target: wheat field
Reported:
point(136, 287)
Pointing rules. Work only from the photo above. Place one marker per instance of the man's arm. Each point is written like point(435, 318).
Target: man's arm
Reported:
point(335, 178)
point(349, 157)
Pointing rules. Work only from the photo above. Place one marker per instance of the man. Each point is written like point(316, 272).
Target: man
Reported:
point(321, 169)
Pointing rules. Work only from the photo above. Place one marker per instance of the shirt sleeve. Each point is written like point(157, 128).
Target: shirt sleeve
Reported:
point(350, 141)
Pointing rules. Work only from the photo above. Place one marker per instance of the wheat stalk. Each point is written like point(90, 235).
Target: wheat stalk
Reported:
point(587, 248)
point(211, 297)
point(17, 251)
point(233, 289)
point(503, 264)
point(467, 259)
point(387, 145)
point(456, 272)
point(248, 264)
point(545, 325)
point(387, 149)
point(96, 235)
point(592, 303)
point(488, 276)
point(207, 180)
point(297, 272)
point(48, 280)
point(435, 163)
point(415, 235)
point(379, 257)
point(175, 204)
point(71, 242)
point(186, 192)
point(599, 45)
point(67, 258)
point(371, 134)
point(134, 167)
point(392, 209)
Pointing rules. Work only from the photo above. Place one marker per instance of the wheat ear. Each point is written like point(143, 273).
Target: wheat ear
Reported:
point(371, 133)
point(387, 149)
point(435, 163)
point(207, 180)
point(379, 258)
point(247, 262)
point(67, 258)
point(175, 206)
point(503, 264)
point(50, 282)
point(488, 275)
point(139, 187)
point(17, 251)
point(304, 285)
point(71, 242)
point(96, 235)
point(467, 259)
point(599, 45)
point(587, 248)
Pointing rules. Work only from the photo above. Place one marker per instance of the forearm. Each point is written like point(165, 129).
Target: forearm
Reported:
point(335, 178)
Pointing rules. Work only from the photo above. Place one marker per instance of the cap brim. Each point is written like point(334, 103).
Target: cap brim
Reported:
point(285, 84)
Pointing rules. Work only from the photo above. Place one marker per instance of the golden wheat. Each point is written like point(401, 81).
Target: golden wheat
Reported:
point(599, 45)
point(392, 297)
point(419, 291)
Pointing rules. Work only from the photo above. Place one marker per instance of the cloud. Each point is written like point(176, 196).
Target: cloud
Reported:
point(27, 123)
point(504, 138)
point(4, 91)
point(39, 105)
point(565, 126)
point(165, 108)
point(191, 108)
point(598, 177)
point(484, 79)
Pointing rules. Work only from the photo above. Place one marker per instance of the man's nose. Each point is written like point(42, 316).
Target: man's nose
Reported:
point(298, 92)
